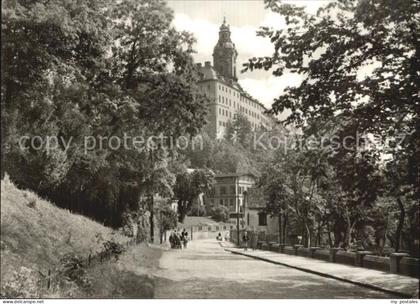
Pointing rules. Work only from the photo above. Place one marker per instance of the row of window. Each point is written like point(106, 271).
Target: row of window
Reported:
point(236, 94)
point(228, 90)
point(226, 101)
point(251, 103)
point(223, 190)
point(224, 112)
point(224, 124)
point(241, 108)
point(227, 202)
point(249, 112)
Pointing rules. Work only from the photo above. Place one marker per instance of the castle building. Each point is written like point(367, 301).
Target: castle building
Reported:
point(220, 84)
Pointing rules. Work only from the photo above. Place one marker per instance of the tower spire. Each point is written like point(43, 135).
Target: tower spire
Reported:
point(224, 54)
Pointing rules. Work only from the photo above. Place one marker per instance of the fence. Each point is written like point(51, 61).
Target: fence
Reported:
point(52, 277)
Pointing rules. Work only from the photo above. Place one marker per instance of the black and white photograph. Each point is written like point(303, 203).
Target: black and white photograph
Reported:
point(210, 149)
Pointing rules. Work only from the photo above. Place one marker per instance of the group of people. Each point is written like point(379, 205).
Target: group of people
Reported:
point(250, 239)
point(178, 240)
point(220, 238)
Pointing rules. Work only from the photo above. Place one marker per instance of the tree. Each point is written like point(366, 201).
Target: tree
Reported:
point(168, 219)
point(239, 130)
point(330, 51)
point(220, 213)
point(188, 186)
point(277, 194)
point(95, 71)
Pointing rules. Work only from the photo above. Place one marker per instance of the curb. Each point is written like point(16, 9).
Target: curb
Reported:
point(331, 276)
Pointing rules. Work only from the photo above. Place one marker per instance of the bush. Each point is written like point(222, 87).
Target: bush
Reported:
point(73, 269)
point(168, 218)
point(220, 214)
point(112, 248)
point(136, 224)
point(197, 211)
point(22, 284)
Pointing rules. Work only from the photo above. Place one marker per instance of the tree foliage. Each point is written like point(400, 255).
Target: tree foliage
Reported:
point(97, 70)
point(189, 186)
point(358, 62)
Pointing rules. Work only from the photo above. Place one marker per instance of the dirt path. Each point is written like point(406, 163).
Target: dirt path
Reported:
point(205, 270)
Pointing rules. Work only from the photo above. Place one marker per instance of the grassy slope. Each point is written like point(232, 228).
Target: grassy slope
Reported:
point(36, 237)
point(36, 234)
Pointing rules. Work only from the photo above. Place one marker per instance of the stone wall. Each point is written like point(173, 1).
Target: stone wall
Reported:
point(398, 263)
point(376, 262)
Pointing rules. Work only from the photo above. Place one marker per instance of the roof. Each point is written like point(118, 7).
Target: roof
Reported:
point(234, 175)
point(209, 73)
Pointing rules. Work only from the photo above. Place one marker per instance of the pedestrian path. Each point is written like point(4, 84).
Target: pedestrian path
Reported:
point(398, 285)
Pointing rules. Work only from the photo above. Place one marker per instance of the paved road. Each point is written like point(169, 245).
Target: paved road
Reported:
point(205, 270)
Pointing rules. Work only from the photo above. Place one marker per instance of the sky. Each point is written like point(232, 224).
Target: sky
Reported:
point(204, 17)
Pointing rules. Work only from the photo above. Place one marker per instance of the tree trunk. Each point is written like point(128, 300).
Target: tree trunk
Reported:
point(347, 242)
point(280, 229)
point(329, 235)
point(318, 235)
point(152, 228)
point(308, 238)
point(285, 228)
point(400, 225)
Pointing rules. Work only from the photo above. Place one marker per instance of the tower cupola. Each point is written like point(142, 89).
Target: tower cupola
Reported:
point(225, 54)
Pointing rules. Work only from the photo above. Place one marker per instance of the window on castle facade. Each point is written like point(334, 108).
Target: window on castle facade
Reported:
point(262, 219)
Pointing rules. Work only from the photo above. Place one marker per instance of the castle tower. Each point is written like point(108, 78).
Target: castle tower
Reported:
point(225, 54)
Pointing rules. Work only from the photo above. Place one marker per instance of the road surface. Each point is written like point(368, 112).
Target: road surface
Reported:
point(205, 270)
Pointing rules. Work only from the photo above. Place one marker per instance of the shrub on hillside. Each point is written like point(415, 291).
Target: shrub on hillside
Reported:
point(73, 269)
point(220, 213)
point(22, 284)
point(112, 248)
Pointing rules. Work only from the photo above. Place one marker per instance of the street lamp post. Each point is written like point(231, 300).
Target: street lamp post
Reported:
point(237, 227)
point(239, 214)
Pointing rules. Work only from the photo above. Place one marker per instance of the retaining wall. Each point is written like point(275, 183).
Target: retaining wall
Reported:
point(322, 254)
point(406, 265)
point(376, 262)
point(409, 266)
point(344, 257)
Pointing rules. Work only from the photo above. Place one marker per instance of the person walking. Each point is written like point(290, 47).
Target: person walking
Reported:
point(245, 239)
point(254, 239)
point(172, 239)
point(177, 238)
point(185, 239)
